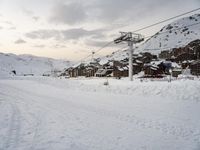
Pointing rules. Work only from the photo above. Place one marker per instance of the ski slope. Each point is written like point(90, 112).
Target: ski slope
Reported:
point(38, 113)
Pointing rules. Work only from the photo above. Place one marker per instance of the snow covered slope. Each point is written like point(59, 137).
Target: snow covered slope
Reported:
point(176, 34)
point(28, 64)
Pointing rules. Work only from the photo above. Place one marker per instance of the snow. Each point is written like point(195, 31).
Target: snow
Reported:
point(28, 64)
point(83, 114)
point(167, 38)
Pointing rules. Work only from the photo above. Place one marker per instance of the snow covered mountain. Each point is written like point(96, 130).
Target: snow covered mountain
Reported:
point(176, 34)
point(29, 64)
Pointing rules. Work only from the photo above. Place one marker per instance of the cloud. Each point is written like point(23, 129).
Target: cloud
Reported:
point(43, 34)
point(71, 14)
point(12, 28)
point(27, 12)
point(78, 33)
point(57, 46)
point(8, 23)
point(70, 34)
point(1, 28)
point(39, 46)
point(36, 18)
point(109, 11)
point(20, 41)
point(96, 43)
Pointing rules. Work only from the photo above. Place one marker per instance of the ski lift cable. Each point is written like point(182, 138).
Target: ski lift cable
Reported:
point(173, 30)
point(97, 51)
point(149, 26)
point(149, 37)
point(106, 45)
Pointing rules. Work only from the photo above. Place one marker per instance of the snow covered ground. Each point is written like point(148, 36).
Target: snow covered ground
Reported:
point(38, 113)
point(29, 64)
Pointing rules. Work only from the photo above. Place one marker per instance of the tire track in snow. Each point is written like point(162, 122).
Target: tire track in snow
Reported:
point(166, 128)
point(13, 134)
point(36, 131)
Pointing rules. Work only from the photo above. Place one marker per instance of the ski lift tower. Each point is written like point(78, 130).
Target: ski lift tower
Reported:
point(130, 38)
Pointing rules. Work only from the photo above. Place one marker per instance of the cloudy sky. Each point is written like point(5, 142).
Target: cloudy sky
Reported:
point(72, 29)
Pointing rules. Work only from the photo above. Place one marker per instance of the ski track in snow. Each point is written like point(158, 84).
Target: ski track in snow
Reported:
point(13, 96)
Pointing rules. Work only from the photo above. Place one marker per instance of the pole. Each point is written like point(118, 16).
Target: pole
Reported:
point(130, 44)
point(131, 38)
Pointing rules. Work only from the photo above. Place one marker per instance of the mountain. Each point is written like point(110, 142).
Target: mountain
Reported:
point(176, 34)
point(29, 64)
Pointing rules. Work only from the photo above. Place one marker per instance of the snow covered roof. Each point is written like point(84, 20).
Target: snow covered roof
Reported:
point(175, 65)
point(196, 62)
point(138, 61)
point(156, 62)
point(134, 64)
point(103, 61)
point(153, 68)
point(177, 69)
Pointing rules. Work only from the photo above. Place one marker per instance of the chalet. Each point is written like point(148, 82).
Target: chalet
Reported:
point(160, 68)
point(76, 70)
point(83, 69)
point(186, 64)
point(79, 70)
point(91, 69)
point(176, 72)
point(103, 72)
point(137, 66)
point(195, 68)
point(185, 56)
point(120, 69)
point(71, 72)
point(153, 69)
point(113, 68)
point(165, 54)
point(65, 73)
point(147, 57)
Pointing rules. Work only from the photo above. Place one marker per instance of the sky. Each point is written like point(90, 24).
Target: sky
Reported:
point(72, 29)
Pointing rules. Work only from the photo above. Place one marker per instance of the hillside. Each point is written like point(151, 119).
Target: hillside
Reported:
point(29, 64)
point(176, 34)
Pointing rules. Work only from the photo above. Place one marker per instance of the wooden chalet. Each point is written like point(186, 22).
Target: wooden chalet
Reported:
point(166, 54)
point(185, 56)
point(120, 69)
point(91, 69)
point(151, 70)
point(176, 72)
point(195, 68)
point(83, 69)
point(186, 64)
point(147, 57)
point(161, 68)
